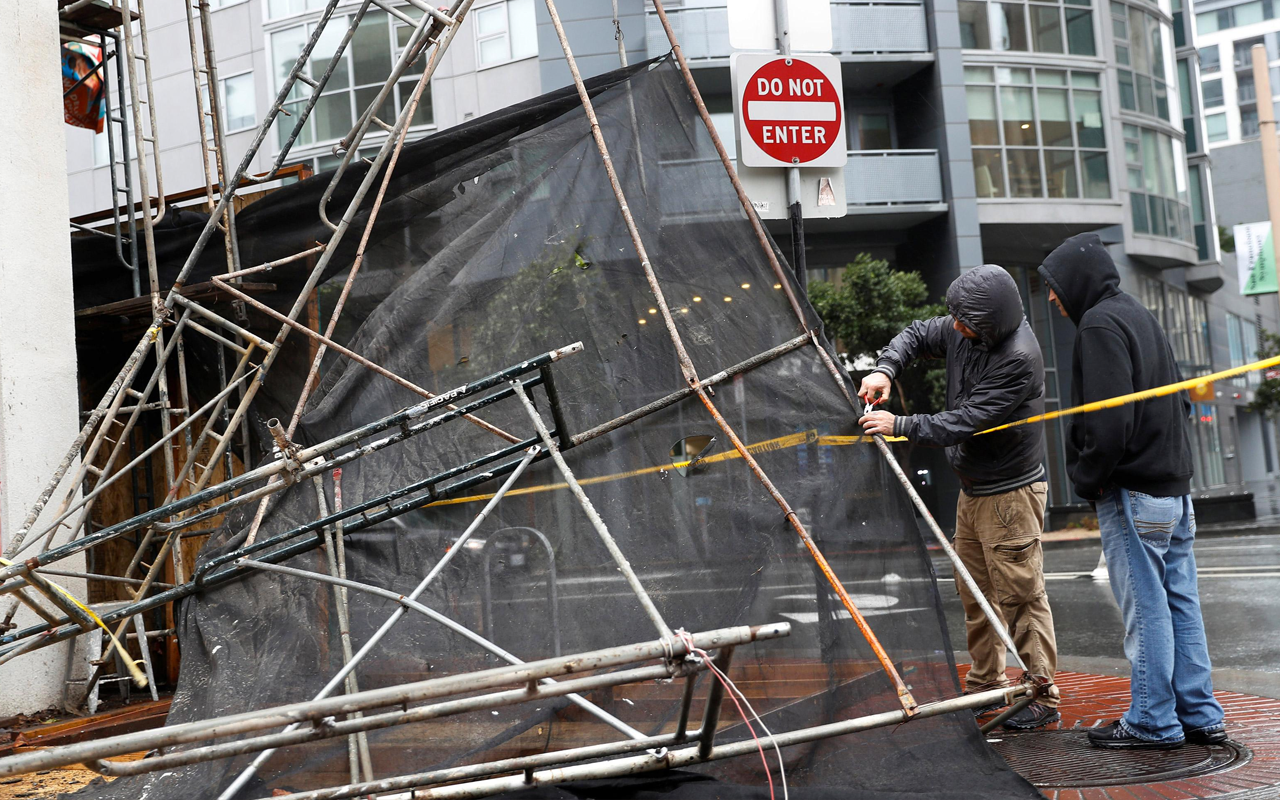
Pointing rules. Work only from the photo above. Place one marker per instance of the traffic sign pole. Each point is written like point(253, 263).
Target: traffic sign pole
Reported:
point(793, 173)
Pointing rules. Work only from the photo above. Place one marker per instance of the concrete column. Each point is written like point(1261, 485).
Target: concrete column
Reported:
point(39, 406)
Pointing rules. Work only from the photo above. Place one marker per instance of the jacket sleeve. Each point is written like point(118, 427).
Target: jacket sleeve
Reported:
point(989, 404)
point(1101, 435)
point(924, 338)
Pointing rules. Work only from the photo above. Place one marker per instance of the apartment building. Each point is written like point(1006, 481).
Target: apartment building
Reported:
point(979, 131)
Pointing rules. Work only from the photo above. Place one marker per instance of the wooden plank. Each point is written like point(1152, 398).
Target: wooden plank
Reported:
point(299, 171)
point(135, 306)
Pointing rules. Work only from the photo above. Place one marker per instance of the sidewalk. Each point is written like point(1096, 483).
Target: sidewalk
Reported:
point(1061, 763)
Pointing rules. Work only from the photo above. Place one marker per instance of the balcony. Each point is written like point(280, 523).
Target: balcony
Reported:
point(884, 189)
point(892, 177)
point(860, 28)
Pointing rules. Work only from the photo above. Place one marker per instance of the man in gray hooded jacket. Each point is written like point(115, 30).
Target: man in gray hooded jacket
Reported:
point(995, 374)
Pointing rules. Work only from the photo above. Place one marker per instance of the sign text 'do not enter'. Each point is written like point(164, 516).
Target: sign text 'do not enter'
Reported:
point(790, 114)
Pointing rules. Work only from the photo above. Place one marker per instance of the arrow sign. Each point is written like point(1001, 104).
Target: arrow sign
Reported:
point(790, 111)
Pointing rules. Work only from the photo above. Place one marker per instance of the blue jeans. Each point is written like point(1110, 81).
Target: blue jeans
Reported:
point(1147, 541)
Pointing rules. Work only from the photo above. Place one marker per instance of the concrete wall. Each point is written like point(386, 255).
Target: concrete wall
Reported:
point(1238, 193)
point(38, 392)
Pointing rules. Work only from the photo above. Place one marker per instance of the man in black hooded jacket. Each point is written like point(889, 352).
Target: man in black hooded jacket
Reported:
point(1134, 464)
point(995, 374)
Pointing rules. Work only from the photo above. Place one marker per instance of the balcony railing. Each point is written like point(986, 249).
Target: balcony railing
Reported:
point(892, 177)
point(858, 27)
point(874, 180)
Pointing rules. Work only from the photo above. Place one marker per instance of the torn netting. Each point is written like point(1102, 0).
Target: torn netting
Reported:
point(499, 242)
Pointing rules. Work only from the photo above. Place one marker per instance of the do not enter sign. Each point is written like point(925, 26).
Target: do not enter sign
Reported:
point(789, 111)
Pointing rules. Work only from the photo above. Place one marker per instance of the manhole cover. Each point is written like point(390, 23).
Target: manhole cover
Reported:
point(1064, 759)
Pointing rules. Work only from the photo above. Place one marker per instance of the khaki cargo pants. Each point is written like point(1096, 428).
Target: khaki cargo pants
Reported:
point(998, 540)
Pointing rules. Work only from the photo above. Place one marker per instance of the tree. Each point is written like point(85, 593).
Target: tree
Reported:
point(1266, 398)
point(873, 303)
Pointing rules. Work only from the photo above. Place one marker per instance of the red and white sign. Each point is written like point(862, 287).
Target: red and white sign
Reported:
point(790, 112)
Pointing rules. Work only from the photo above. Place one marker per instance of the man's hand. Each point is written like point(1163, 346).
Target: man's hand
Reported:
point(875, 388)
point(880, 422)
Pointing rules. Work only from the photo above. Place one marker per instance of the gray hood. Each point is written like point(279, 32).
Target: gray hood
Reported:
point(986, 300)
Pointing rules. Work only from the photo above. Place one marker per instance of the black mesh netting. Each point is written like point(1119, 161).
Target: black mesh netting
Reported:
point(501, 240)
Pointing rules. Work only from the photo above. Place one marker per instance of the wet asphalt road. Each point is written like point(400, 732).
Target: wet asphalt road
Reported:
point(1239, 596)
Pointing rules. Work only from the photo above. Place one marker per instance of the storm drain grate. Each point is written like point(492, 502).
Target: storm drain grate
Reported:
point(1064, 759)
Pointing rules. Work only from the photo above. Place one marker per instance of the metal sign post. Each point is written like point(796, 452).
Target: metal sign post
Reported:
point(790, 116)
point(793, 173)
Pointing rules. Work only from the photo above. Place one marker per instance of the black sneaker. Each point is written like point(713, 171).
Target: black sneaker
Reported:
point(1206, 738)
point(985, 710)
point(1115, 737)
point(1031, 717)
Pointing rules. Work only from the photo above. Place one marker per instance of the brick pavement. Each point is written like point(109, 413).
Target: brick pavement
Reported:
point(1092, 700)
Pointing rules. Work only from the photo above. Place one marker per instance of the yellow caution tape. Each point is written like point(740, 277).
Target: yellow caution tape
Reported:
point(1146, 394)
point(767, 446)
point(139, 677)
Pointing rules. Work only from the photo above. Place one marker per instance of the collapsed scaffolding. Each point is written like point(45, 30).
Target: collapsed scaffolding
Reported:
point(194, 496)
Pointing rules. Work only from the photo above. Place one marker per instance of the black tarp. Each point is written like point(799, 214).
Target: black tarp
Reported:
point(500, 240)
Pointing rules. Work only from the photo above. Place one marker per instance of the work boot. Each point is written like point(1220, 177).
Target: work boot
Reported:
point(1206, 738)
point(1033, 716)
point(1115, 737)
point(987, 709)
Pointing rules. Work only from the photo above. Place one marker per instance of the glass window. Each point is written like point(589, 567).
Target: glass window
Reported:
point(1243, 51)
point(1046, 28)
point(1206, 22)
point(1089, 119)
point(1046, 141)
point(1055, 117)
point(1212, 92)
point(1195, 179)
point(505, 31)
point(1206, 447)
point(1018, 116)
point(1080, 32)
point(1216, 127)
point(1097, 181)
point(974, 31)
point(1244, 89)
point(1249, 13)
point(1008, 26)
point(1248, 123)
point(1176, 329)
point(1024, 173)
point(1060, 173)
point(1209, 58)
point(1157, 183)
point(1198, 326)
point(988, 173)
point(356, 79)
point(1140, 42)
point(1242, 347)
point(285, 8)
point(874, 132)
point(239, 110)
point(983, 123)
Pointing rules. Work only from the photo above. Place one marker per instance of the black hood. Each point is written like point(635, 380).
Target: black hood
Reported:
point(986, 300)
point(1081, 273)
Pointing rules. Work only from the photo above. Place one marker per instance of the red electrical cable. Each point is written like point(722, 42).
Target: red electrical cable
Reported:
point(729, 688)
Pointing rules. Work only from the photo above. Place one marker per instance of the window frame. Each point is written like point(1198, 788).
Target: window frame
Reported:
point(227, 130)
point(1029, 33)
point(505, 34)
point(1160, 81)
point(1177, 157)
point(308, 145)
point(1041, 148)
